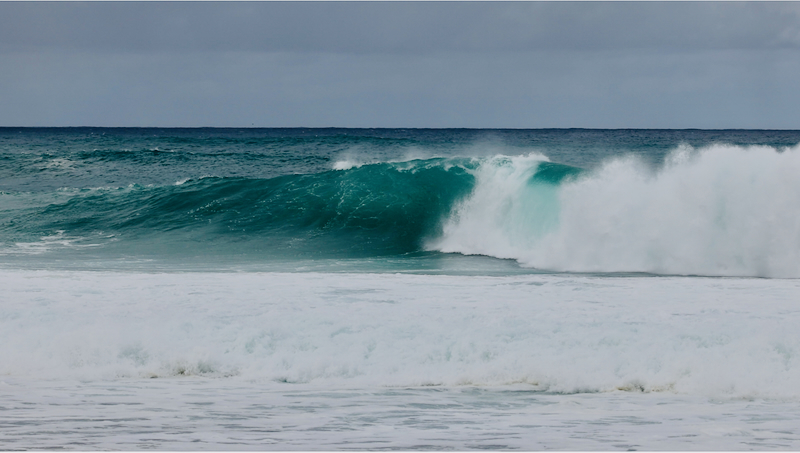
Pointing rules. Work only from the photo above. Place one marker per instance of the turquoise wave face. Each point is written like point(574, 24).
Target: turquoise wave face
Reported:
point(372, 210)
point(367, 211)
point(553, 173)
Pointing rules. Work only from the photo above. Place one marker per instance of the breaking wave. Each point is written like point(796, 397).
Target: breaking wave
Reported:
point(718, 210)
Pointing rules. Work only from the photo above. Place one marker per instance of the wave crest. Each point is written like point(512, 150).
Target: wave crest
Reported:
point(719, 210)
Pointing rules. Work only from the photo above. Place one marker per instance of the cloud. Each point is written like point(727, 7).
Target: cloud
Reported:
point(408, 64)
point(390, 27)
point(610, 89)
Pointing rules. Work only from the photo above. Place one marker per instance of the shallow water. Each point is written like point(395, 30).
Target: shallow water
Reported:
point(129, 360)
point(213, 414)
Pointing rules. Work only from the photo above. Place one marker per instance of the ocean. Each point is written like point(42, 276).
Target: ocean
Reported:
point(399, 289)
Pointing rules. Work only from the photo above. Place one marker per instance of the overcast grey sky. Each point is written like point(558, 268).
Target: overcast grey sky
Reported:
point(418, 64)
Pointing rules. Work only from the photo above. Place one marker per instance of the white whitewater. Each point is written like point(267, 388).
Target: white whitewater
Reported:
point(717, 211)
point(710, 337)
point(342, 361)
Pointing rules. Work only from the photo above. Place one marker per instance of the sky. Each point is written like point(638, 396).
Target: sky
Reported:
point(714, 65)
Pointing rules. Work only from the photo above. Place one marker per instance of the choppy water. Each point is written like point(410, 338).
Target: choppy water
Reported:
point(199, 414)
point(399, 289)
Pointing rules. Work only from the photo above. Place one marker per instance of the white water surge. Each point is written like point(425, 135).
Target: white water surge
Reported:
point(720, 210)
point(359, 361)
point(710, 337)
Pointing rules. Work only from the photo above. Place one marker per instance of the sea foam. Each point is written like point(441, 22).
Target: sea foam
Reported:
point(565, 334)
point(719, 210)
